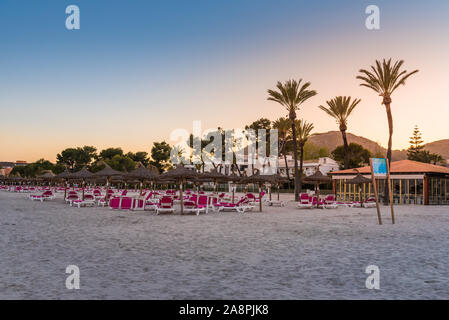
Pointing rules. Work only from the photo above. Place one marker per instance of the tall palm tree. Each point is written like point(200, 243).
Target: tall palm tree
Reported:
point(340, 108)
point(291, 95)
point(385, 78)
point(303, 129)
point(284, 128)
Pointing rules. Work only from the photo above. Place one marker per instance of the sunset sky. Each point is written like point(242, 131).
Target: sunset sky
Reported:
point(137, 70)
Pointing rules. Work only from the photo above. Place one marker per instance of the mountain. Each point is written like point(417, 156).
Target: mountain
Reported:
point(440, 147)
point(332, 140)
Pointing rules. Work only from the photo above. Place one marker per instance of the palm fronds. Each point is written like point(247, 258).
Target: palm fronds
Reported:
point(385, 78)
point(340, 108)
point(291, 94)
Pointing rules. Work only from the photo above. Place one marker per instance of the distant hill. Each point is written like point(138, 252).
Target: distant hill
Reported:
point(332, 139)
point(440, 147)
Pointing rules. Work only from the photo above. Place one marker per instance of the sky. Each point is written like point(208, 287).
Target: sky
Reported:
point(137, 70)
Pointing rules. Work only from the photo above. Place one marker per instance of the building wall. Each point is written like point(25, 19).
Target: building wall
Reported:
point(412, 189)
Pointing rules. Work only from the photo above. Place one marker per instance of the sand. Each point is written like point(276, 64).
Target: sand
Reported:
point(282, 253)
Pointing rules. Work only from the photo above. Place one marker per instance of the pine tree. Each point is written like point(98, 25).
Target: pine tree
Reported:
point(416, 145)
point(416, 150)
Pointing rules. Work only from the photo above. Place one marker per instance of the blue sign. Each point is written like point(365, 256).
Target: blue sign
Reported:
point(379, 167)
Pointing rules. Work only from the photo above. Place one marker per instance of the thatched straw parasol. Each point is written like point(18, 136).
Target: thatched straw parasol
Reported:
point(316, 179)
point(359, 180)
point(83, 174)
point(276, 179)
point(16, 178)
point(48, 175)
point(141, 174)
point(259, 179)
point(107, 173)
point(200, 179)
point(216, 177)
point(65, 175)
point(180, 175)
point(235, 179)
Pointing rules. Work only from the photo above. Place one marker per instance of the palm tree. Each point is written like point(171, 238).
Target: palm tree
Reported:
point(283, 126)
point(384, 79)
point(303, 129)
point(340, 108)
point(291, 95)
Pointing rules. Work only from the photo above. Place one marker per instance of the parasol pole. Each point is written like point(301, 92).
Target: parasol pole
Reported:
point(279, 187)
point(260, 197)
point(107, 190)
point(181, 197)
point(360, 197)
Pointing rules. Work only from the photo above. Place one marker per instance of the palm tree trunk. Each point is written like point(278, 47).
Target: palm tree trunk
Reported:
point(286, 167)
point(301, 162)
point(346, 147)
point(295, 156)
point(390, 144)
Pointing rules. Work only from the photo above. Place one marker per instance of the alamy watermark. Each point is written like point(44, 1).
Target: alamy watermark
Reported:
point(72, 22)
point(73, 280)
point(372, 22)
point(226, 147)
point(373, 280)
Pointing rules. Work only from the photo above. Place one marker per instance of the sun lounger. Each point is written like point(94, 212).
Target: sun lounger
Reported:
point(46, 195)
point(242, 206)
point(72, 196)
point(329, 202)
point(166, 205)
point(369, 204)
point(201, 205)
point(305, 202)
point(89, 201)
point(276, 203)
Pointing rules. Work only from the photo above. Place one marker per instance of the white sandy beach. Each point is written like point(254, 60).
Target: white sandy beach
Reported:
point(282, 253)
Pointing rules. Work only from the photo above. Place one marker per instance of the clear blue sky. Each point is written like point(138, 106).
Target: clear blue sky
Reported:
point(136, 70)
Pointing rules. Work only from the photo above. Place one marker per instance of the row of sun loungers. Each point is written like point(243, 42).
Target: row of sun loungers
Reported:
point(197, 203)
point(329, 202)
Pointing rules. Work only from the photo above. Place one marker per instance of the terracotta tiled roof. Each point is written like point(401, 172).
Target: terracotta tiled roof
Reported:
point(403, 166)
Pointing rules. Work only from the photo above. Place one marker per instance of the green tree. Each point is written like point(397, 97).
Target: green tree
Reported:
point(76, 158)
point(416, 150)
point(140, 156)
point(36, 168)
point(340, 108)
point(303, 129)
point(292, 95)
point(18, 171)
point(109, 153)
point(427, 157)
point(121, 163)
point(416, 144)
point(357, 155)
point(313, 151)
point(160, 155)
point(384, 79)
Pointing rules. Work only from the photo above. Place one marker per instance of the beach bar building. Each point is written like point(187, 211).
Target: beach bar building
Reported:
point(412, 183)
